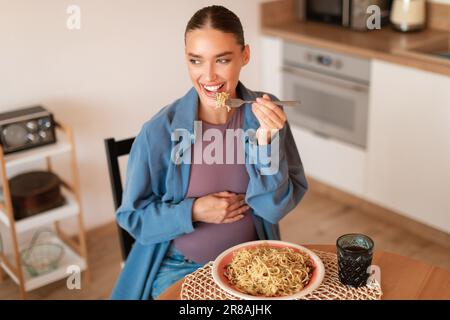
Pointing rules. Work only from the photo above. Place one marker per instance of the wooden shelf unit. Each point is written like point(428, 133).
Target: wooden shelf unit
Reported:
point(75, 250)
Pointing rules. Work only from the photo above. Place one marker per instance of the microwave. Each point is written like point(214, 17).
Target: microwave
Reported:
point(348, 13)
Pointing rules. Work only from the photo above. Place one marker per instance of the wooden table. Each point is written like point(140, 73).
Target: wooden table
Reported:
point(401, 277)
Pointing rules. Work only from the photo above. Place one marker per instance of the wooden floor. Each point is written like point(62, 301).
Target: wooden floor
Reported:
point(317, 220)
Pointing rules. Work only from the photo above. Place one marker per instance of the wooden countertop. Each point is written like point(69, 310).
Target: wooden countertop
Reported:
point(401, 278)
point(384, 44)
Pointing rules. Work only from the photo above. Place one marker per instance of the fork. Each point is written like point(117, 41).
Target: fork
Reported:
point(236, 103)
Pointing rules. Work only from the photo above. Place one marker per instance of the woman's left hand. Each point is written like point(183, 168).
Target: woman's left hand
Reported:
point(271, 119)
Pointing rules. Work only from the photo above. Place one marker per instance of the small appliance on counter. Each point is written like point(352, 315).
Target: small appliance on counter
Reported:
point(408, 15)
point(348, 13)
point(26, 128)
point(34, 192)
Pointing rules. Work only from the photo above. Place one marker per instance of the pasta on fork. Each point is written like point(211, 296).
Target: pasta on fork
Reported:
point(221, 98)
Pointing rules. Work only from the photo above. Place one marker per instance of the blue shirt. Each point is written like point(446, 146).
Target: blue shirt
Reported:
point(154, 208)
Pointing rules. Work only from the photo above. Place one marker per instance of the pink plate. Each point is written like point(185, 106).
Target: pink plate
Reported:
point(219, 268)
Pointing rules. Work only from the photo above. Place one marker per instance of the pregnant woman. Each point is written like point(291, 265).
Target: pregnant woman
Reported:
point(229, 180)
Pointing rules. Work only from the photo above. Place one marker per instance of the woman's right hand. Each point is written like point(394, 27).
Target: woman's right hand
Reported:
point(220, 207)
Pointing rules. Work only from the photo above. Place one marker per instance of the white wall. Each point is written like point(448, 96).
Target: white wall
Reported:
point(106, 79)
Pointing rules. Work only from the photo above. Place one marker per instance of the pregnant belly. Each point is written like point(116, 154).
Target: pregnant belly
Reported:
point(208, 240)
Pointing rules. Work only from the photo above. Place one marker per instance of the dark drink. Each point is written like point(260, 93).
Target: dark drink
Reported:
point(355, 249)
point(354, 255)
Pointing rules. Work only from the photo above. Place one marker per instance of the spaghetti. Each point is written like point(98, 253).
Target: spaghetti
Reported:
point(221, 99)
point(268, 271)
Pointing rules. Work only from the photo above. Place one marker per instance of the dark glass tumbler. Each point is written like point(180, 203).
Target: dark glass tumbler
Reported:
point(354, 255)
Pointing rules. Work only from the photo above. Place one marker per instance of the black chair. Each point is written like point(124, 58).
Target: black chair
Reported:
point(114, 150)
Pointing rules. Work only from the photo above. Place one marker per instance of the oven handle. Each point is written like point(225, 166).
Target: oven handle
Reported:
point(341, 83)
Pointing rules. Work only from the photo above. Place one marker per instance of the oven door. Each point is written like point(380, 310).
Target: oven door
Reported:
point(330, 106)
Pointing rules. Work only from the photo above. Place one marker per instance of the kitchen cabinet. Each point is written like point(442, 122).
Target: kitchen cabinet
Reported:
point(408, 156)
point(406, 165)
point(333, 162)
point(271, 64)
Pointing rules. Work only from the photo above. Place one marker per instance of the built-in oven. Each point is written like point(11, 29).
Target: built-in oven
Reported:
point(333, 89)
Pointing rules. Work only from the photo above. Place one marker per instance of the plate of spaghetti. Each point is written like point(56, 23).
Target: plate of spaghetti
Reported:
point(268, 269)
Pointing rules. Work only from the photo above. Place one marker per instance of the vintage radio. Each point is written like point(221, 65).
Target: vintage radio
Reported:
point(26, 128)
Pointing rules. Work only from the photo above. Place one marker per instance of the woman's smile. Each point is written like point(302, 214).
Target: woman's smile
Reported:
point(210, 90)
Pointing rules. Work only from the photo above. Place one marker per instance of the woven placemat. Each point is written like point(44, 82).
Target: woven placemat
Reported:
point(200, 285)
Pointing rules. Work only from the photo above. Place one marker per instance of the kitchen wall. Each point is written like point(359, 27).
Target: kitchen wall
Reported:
point(109, 77)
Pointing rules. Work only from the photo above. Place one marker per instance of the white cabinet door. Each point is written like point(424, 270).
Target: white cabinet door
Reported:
point(408, 167)
point(271, 62)
point(333, 162)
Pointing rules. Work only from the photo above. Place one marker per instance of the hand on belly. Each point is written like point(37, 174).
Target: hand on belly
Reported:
point(220, 207)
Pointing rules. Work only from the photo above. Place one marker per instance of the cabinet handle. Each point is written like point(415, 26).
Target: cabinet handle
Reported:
point(320, 134)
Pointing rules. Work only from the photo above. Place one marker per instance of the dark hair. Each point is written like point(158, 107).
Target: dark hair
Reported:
point(219, 18)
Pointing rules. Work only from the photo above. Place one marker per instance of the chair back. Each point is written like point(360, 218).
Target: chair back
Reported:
point(114, 150)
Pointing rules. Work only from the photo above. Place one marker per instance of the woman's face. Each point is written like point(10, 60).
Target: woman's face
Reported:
point(214, 61)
